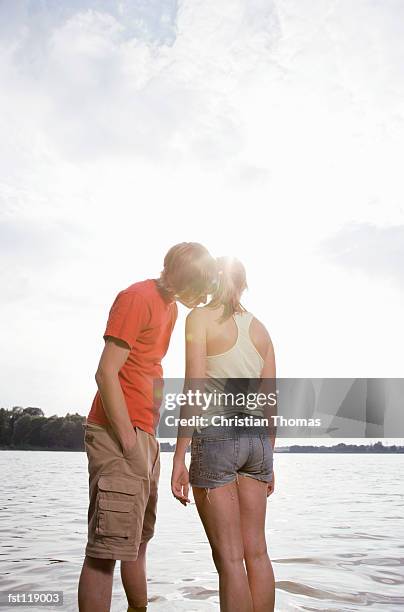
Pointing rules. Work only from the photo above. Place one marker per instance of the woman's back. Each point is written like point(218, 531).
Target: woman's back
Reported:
point(238, 344)
point(241, 359)
point(235, 349)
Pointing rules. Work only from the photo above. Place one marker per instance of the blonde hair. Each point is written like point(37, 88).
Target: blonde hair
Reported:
point(231, 283)
point(188, 266)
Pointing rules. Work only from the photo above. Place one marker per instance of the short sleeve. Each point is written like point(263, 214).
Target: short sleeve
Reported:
point(128, 317)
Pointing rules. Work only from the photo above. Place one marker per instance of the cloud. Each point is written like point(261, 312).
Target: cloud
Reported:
point(150, 20)
point(100, 86)
point(33, 252)
point(377, 251)
point(254, 126)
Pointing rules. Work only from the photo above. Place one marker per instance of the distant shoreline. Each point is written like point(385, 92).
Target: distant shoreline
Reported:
point(342, 448)
point(28, 429)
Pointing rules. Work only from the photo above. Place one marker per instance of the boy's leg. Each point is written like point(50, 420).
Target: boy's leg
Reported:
point(133, 573)
point(95, 585)
point(117, 500)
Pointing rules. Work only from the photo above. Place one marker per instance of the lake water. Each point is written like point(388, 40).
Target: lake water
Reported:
point(335, 534)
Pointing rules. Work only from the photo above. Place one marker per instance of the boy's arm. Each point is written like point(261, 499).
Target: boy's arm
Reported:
point(113, 357)
point(127, 317)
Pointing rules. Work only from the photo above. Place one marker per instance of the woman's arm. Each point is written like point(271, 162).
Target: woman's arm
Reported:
point(268, 386)
point(195, 372)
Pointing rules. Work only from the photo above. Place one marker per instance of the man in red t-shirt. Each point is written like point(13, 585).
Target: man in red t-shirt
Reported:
point(123, 452)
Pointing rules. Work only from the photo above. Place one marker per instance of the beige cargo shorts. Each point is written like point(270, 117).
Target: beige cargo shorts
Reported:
point(122, 492)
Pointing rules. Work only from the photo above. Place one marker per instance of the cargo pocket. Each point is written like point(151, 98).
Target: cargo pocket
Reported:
point(116, 501)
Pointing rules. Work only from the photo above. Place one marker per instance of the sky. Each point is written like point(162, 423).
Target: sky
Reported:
point(271, 130)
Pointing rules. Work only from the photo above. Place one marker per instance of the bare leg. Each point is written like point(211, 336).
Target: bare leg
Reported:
point(95, 585)
point(133, 574)
point(220, 515)
point(253, 504)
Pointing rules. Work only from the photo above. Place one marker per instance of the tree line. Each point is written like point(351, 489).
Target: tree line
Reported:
point(28, 428)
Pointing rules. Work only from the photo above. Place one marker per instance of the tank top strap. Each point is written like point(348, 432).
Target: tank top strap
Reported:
point(243, 323)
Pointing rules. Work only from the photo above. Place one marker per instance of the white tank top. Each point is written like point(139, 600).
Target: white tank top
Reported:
point(242, 360)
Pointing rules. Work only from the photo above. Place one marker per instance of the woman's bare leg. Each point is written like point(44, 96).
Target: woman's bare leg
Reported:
point(220, 515)
point(253, 503)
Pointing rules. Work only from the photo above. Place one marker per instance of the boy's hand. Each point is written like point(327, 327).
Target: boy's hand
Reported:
point(129, 443)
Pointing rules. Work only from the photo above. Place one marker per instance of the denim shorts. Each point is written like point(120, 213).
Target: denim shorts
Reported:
point(220, 454)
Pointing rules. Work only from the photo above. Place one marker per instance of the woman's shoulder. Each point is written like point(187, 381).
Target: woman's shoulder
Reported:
point(198, 314)
point(206, 312)
point(258, 331)
point(258, 325)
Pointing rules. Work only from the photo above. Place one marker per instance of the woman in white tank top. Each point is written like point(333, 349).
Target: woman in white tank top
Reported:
point(231, 471)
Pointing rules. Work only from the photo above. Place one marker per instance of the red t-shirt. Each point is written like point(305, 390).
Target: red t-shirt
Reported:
point(145, 321)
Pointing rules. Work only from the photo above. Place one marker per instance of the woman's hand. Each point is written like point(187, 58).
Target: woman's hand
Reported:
point(271, 485)
point(180, 481)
